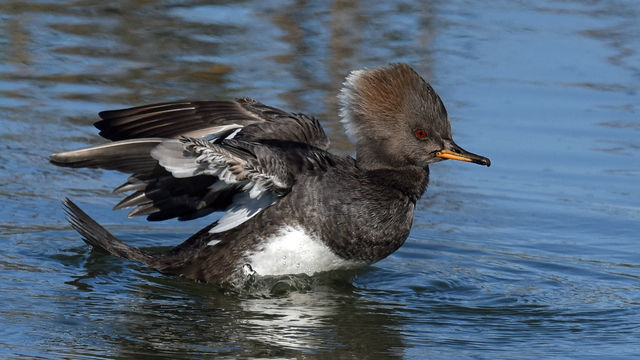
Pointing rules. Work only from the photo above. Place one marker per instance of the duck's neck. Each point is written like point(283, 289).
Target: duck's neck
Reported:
point(376, 154)
point(412, 181)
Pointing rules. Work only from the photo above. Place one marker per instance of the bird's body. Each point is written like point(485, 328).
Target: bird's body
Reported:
point(291, 206)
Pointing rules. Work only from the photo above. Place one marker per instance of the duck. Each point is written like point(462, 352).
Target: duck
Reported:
point(288, 205)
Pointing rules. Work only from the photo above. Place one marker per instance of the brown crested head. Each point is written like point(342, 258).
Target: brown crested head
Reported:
point(395, 117)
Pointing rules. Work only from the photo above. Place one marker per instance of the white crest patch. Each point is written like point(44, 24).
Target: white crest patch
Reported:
point(346, 97)
point(292, 251)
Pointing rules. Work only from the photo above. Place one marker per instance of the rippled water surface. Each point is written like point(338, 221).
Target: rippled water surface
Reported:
point(535, 257)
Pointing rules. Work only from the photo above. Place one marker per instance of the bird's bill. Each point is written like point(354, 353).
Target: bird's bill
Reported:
point(454, 152)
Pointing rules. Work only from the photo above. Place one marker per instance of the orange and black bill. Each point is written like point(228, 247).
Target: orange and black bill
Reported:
point(455, 152)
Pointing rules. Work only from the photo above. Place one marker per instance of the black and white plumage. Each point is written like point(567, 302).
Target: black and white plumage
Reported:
point(290, 205)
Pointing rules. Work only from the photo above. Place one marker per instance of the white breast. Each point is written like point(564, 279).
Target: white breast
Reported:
point(292, 251)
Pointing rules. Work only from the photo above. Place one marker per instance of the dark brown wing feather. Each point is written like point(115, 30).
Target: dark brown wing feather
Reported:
point(200, 119)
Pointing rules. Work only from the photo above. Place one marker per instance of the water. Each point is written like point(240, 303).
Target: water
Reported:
point(537, 256)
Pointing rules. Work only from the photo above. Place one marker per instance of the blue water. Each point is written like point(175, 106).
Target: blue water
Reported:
point(537, 256)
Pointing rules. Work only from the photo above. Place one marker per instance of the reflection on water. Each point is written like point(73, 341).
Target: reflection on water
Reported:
point(539, 252)
point(162, 316)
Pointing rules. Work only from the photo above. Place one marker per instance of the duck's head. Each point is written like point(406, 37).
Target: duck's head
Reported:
point(397, 119)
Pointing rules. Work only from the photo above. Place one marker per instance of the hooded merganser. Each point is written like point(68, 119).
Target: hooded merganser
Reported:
point(291, 206)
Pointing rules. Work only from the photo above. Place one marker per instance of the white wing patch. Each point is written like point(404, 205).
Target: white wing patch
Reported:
point(259, 185)
point(212, 131)
point(233, 134)
point(192, 157)
point(243, 208)
point(171, 156)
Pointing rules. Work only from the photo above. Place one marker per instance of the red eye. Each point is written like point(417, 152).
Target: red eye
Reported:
point(421, 134)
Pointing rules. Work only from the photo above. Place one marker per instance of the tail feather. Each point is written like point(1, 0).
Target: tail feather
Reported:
point(98, 237)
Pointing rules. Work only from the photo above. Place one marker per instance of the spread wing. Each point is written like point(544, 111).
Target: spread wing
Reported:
point(258, 174)
point(208, 119)
point(188, 159)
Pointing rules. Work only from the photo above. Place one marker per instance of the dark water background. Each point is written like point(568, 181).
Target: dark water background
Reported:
point(535, 257)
